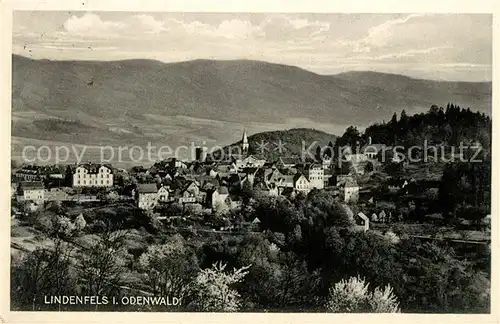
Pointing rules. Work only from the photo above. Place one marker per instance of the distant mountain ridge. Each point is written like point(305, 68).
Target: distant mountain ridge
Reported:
point(135, 101)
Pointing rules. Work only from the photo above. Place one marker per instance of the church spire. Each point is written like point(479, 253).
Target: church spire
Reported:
point(244, 141)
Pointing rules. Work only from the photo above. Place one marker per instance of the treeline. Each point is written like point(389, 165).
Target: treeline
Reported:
point(447, 126)
point(465, 190)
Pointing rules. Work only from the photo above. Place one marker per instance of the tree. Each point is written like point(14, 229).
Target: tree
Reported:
point(212, 290)
point(169, 267)
point(354, 296)
point(80, 223)
point(43, 272)
point(100, 267)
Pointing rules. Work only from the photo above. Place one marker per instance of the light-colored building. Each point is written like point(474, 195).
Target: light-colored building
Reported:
point(244, 142)
point(93, 175)
point(219, 196)
point(189, 194)
point(301, 183)
point(250, 161)
point(362, 222)
point(147, 196)
point(350, 191)
point(315, 174)
point(372, 150)
point(163, 194)
point(33, 191)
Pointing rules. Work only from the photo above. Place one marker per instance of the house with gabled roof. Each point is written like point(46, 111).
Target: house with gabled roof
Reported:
point(190, 193)
point(251, 161)
point(301, 183)
point(218, 196)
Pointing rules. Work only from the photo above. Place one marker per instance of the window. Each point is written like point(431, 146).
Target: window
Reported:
point(102, 182)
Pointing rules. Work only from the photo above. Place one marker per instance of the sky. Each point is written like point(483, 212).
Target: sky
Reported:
point(432, 46)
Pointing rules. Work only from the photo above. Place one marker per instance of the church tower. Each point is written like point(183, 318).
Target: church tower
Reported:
point(244, 141)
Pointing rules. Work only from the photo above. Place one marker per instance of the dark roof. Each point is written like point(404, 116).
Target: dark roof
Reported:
point(297, 176)
point(35, 185)
point(288, 160)
point(287, 191)
point(248, 170)
point(147, 188)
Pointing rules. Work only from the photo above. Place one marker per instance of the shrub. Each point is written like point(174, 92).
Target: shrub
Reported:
point(353, 296)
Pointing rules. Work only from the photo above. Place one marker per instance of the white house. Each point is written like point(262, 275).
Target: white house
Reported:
point(147, 196)
point(219, 196)
point(301, 183)
point(250, 161)
point(315, 174)
point(163, 194)
point(33, 191)
point(93, 175)
point(362, 222)
point(350, 190)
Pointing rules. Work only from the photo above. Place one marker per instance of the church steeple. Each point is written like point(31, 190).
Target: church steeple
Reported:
point(244, 141)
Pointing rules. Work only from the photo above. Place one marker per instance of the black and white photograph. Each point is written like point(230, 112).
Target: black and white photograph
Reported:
point(251, 162)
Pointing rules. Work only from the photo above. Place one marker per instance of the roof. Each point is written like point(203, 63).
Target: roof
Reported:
point(288, 160)
point(35, 185)
point(309, 165)
point(248, 170)
point(287, 191)
point(297, 176)
point(223, 190)
point(94, 167)
point(363, 217)
point(147, 188)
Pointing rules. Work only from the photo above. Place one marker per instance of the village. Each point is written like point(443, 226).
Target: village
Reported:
point(173, 187)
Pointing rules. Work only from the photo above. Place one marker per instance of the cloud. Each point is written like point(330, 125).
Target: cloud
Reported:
point(317, 27)
point(297, 30)
point(91, 24)
point(380, 35)
point(149, 25)
point(403, 54)
point(234, 29)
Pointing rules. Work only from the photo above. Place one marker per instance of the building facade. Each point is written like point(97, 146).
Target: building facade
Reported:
point(33, 191)
point(93, 175)
point(315, 174)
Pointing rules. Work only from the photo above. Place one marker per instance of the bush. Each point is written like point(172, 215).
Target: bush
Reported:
point(353, 296)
